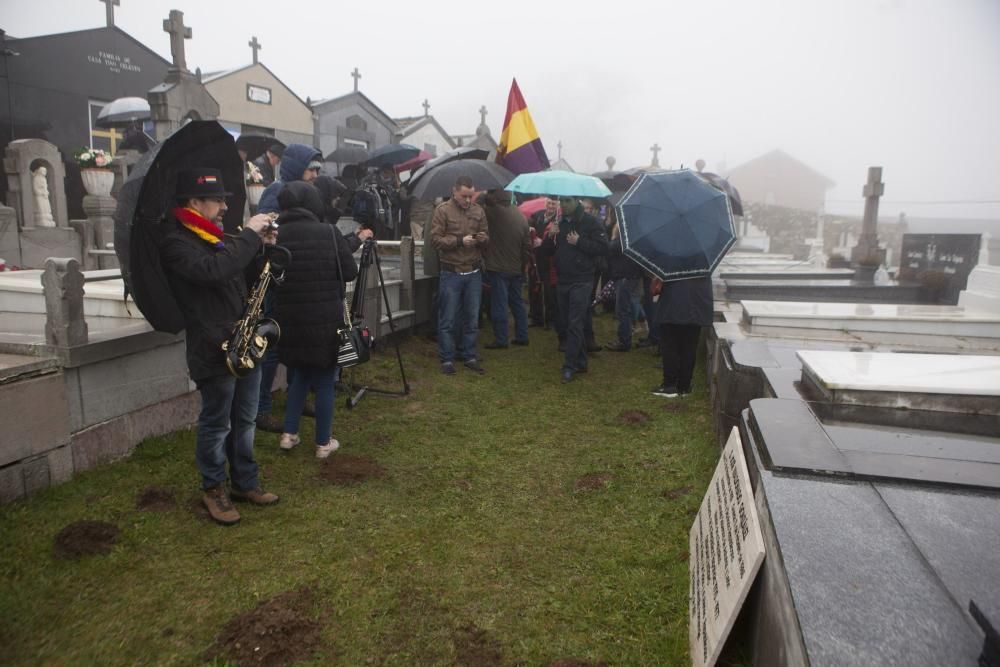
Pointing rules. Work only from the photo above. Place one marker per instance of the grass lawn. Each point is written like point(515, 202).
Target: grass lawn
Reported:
point(518, 521)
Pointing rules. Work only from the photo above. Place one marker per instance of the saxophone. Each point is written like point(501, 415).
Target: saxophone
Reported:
point(253, 333)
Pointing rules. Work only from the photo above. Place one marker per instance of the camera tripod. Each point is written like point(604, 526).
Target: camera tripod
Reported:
point(369, 258)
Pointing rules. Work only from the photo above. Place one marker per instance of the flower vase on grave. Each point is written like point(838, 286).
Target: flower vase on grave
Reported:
point(254, 191)
point(97, 181)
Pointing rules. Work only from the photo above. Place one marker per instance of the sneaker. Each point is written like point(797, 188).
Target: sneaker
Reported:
point(566, 375)
point(617, 346)
point(289, 440)
point(269, 423)
point(473, 365)
point(323, 451)
point(666, 392)
point(448, 368)
point(255, 497)
point(220, 507)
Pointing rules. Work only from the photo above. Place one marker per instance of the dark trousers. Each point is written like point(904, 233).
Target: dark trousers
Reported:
point(574, 307)
point(679, 347)
point(536, 298)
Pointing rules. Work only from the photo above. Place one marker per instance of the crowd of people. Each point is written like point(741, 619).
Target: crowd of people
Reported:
point(569, 255)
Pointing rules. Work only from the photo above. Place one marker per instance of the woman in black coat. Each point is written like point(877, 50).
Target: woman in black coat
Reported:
point(309, 307)
point(685, 306)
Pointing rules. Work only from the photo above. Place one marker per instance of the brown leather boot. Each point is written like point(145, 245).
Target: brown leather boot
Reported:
point(220, 508)
point(255, 497)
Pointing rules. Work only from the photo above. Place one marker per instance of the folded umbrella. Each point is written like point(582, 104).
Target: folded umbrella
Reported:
point(122, 112)
point(391, 155)
point(460, 153)
point(439, 181)
point(675, 225)
point(255, 144)
point(149, 192)
point(560, 183)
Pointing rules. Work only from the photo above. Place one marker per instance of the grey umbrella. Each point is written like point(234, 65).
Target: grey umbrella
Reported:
point(347, 155)
point(460, 153)
point(123, 112)
point(439, 181)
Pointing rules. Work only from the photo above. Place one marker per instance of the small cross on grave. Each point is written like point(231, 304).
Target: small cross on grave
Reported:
point(656, 155)
point(178, 33)
point(111, 10)
point(866, 252)
point(255, 45)
point(357, 75)
point(427, 108)
point(482, 115)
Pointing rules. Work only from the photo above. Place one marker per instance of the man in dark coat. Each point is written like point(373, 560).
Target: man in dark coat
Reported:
point(205, 273)
point(627, 277)
point(685, 306)
point(269, 161)
point(505, 257)
point(575, 246)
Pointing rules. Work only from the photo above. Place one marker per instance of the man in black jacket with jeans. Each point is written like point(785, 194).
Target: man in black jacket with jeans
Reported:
point(575, 246)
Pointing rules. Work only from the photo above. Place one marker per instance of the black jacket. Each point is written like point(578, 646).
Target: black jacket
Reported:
point(577, 263)
point(309, 305)
point(621, 265)
point(266, 170)
point(210, 289)
point(686, 301)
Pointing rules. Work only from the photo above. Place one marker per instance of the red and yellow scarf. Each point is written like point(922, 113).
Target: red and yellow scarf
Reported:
point(205, 229)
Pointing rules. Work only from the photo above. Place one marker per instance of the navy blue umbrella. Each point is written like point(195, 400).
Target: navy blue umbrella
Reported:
point(675, 225)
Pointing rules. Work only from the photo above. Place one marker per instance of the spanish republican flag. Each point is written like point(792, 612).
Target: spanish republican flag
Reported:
point(520, 149)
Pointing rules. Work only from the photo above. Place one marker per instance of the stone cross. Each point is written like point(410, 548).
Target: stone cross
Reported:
point(866, 253)
point(482, 115)
point(111, 10)
point(178, 33)
point(656, 155)
point(255, 45)
point(559, 147)
point(427, 108)
point(357, 75)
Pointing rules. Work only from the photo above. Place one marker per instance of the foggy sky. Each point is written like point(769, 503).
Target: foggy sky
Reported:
point(911, 86)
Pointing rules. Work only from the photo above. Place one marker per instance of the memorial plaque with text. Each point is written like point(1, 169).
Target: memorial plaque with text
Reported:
point(726, 552)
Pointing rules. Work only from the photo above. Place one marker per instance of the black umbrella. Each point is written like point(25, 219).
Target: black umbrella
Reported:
point(148, 194)
point(720, 183)
point(347, 155)
point(255, 144)
point(439, 181)
point(461, 153)
point(391, 155)
point(617, 181)
point(123, 112)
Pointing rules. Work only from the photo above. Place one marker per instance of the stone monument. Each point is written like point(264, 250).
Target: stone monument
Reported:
point(43, 207)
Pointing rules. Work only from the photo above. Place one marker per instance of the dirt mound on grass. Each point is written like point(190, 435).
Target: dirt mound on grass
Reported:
point(592, 481)
point(629, 417)
point(475, 648)
point(279, 631)
point(85, 538)
point(156, 499)
point(345, 469)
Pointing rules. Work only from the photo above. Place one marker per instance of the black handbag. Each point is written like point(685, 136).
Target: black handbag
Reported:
point(355, 339)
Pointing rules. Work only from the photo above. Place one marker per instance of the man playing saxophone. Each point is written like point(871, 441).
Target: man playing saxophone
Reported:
point(205, 270)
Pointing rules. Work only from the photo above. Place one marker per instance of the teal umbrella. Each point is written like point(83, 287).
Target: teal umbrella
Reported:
point(559, 183)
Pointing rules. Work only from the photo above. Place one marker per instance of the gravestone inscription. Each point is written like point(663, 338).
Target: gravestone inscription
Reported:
point(726, 551)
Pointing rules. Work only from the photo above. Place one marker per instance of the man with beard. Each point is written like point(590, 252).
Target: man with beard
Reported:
point(459, 233)
point(205, 272)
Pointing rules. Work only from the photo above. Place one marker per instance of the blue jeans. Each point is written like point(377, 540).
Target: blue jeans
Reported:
point(226, 430)
point(625, 310)
point(457, 292)
point(574, 307)
point(324, 381)
point(505, 290)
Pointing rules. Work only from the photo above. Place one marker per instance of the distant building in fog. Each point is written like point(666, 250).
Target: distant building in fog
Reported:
point(778, 179)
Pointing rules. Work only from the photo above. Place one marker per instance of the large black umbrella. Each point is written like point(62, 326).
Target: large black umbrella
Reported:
point(391, 155)
point(675, 224)
point(347, 155)
point(617, 181)
point(148, 194)
point(122, 112)
point(255, 144)
point(735, 201)
point(439, 181)
point(460, 153)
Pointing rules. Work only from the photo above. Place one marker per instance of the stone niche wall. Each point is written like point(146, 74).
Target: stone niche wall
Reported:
point(789, 228)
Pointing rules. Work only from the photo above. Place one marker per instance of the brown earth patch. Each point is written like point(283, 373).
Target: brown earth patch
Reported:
point(474, 647)
point(674, 407)
point(577, 662)
point(592, 481)
point(414, 408)
point(279, 631)
point(674, 494)
point(85, 538)
point(463, 484)
point(629, 417)
point(346, 469)
point(156, 499)
point(380, 439)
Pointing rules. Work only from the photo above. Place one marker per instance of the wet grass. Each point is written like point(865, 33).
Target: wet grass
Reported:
point(517, 521)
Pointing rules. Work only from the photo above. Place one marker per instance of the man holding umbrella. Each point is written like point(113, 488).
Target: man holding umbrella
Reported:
point(204, 270)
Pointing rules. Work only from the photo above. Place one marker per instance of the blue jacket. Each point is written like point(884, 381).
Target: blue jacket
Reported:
point(293, 164)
